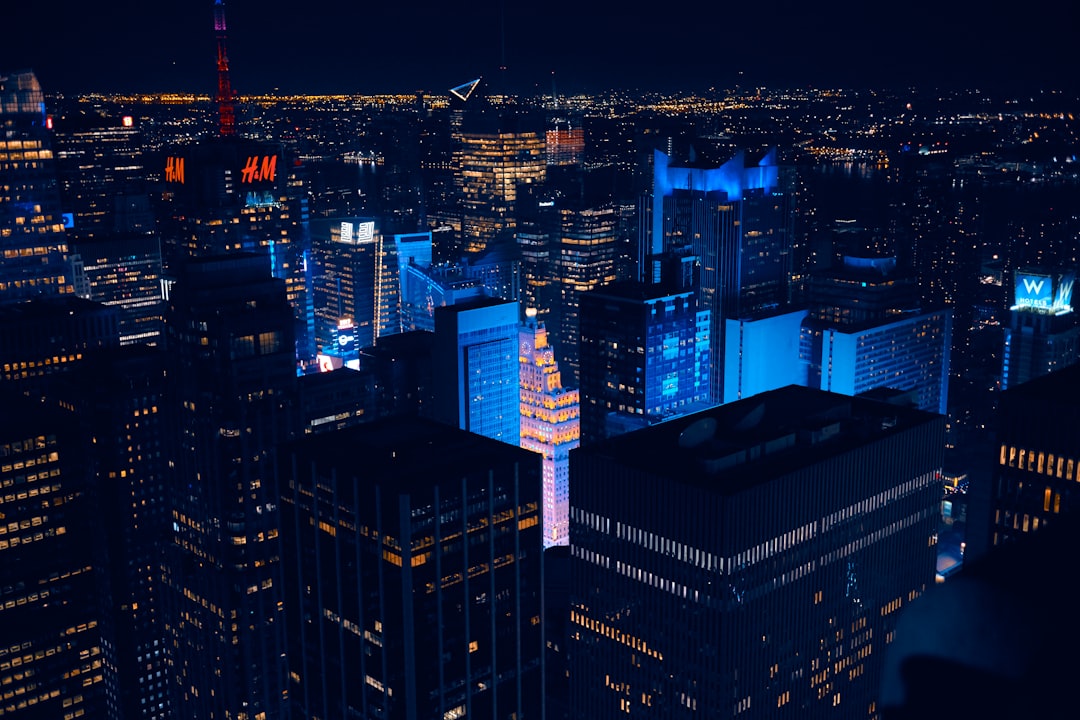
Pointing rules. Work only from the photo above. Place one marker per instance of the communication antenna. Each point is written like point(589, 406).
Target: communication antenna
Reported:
point(226, 109)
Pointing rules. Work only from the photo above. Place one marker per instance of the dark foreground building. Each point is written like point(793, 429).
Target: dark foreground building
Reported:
point(748, 561)
point(413, 573)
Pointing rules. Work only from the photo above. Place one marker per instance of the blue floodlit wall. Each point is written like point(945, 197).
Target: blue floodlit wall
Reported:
point(762, 355)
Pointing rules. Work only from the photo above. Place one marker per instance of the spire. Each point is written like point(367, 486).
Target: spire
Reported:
point(226, 111)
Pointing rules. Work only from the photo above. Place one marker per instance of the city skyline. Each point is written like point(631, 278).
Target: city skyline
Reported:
point(339, 47)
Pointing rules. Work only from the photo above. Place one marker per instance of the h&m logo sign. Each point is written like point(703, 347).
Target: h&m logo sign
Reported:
point(259, 169)
point(174, 169)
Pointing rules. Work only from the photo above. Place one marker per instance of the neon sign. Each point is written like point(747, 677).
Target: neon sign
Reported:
point(1044, 292)
point(174, 170)
point(258, 169)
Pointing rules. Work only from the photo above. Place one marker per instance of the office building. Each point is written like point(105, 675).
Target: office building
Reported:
point(749, 561)
point(583, 247)
point(232, 380)
point(763, 353)
point(345, 279)
point(103, 176)
point(414, 571)
point(736, 219)
point(125, 271)
point(57, 655)
point(495, 153)
point(1043, 334)
point(550, 424)
point(644, 357)
point(50, 335)
point(33, 243)
point(1038, 455)
point(119, 397)
point(230, 194)
point(475, 372)
point(909, 353)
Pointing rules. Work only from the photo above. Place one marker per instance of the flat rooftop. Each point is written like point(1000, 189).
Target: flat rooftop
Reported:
point(739, 444)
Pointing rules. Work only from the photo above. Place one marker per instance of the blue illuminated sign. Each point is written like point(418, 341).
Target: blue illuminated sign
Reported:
point(1044, 292)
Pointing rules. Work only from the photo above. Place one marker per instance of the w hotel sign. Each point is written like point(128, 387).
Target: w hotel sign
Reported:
point(1044, 292)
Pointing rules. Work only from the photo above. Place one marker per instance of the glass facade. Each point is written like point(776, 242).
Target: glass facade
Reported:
point(33, 241)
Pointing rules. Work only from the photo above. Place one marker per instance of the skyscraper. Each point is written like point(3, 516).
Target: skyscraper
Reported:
point(1043, 333)
point(415, 574)
point(346, 278)
point(495, 153)
point(1038, 460)
point(644, 357)
point(736, 219)
point(749, 560)
point(33, 244)
point(475, 375)
point(232, 380)
point(57, 657)
point(550, 424)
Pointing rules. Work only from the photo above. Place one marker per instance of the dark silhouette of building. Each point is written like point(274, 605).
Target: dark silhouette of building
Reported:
point(232, 381)
point(995, 641)
point(415, 579)
point(1038, 457)
point(57, 655)
point(749, 560)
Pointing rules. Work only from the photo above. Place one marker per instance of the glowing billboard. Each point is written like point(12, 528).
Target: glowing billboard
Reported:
point(1044, 292)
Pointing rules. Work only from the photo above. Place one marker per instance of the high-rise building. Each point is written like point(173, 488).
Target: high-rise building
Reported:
point(763, 353)
point(103, 176)
point(415, 574)
point(909, 353)
point(750, 560)
point(229, 338)
point(550, 424)
point(475, 374)
point(346, 278)
point(57, 653)
point(494, 154)
point(125, 271)
point(232, 194)
point(33, 243)
point(51, 335)
point(583, 247)
point(644, 357)
point(1038, 456)
point(1043, 333)
point(736, 219)
point(119, 397)
point(862, 330)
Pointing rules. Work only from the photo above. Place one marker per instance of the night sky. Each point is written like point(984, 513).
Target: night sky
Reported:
point(403, 46)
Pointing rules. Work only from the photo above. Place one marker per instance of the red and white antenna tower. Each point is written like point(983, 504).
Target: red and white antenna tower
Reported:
point(226, 110)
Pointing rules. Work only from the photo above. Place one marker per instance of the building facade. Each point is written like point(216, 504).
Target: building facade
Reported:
point(644, 357)
point(748, 561)
point(415, 574)
point(232, 383)
point(475, 373)
point(33, 242)
point(550, 424)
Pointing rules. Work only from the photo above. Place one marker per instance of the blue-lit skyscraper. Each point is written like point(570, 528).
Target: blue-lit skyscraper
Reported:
point(476, 386)
point(736, 219)
point(33, 244)
point(1043, 333)
point(644, 357)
